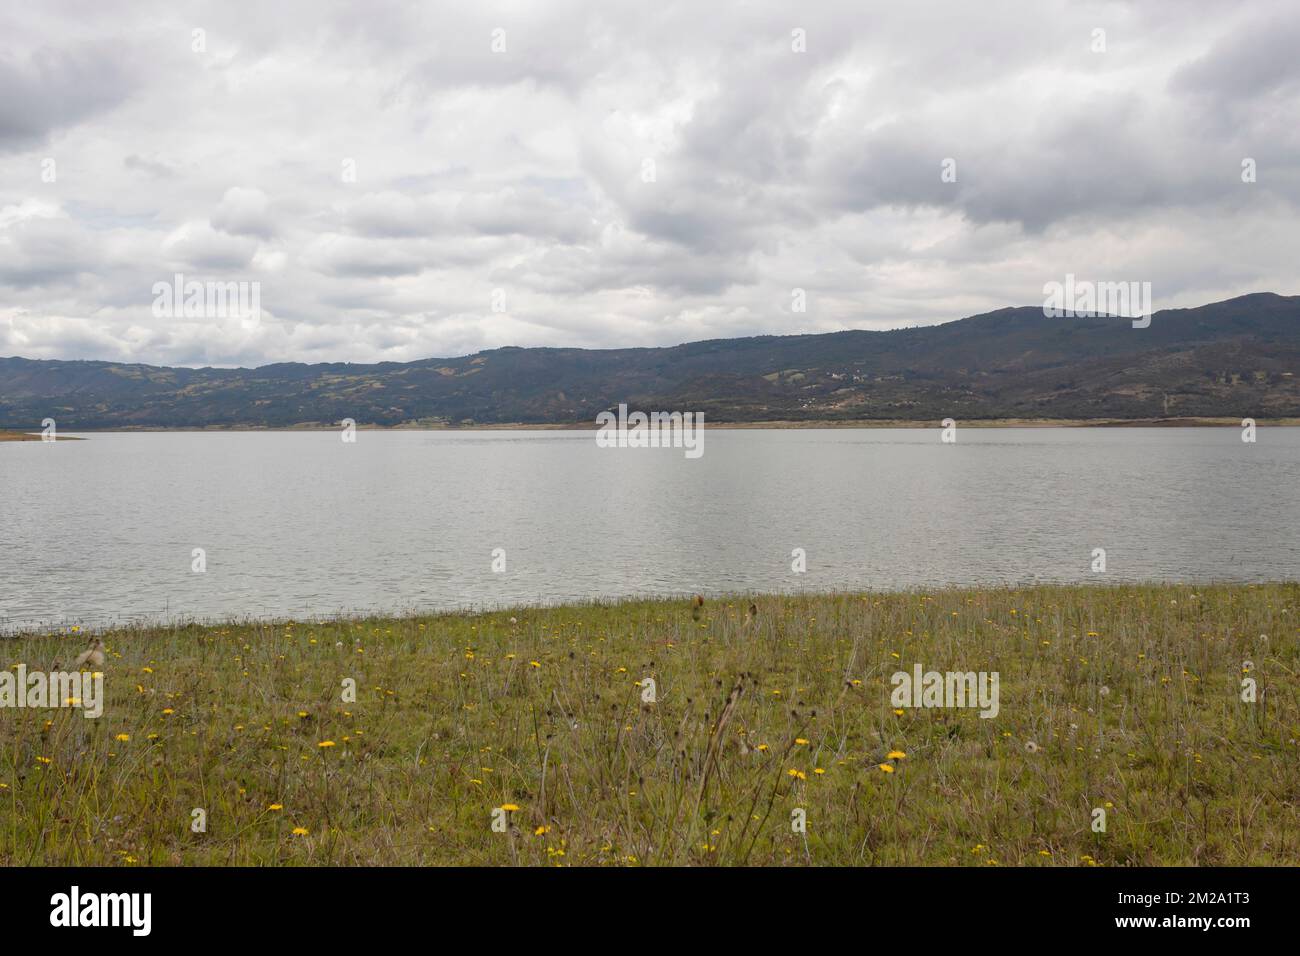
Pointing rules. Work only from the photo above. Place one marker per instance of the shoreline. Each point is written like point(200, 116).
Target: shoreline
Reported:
point(345, 617)
point(19, 435)
point(1191, 422)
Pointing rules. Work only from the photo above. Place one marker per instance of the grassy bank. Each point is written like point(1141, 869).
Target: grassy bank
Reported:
point(7, 435)
point(1123, 699)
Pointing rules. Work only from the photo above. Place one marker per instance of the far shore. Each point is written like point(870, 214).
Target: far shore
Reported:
point(1197, 422)
point(6, 435)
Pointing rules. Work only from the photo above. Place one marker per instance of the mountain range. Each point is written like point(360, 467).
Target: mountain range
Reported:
point(1236, 358)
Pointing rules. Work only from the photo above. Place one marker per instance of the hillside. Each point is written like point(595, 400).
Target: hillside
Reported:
point(1234, 358)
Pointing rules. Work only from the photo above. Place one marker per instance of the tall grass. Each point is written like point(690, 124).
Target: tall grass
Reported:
point(1125, 699)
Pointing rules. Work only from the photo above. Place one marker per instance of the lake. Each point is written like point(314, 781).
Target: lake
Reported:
point(302, 524)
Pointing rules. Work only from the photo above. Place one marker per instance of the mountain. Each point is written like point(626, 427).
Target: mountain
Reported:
point(1236, 358)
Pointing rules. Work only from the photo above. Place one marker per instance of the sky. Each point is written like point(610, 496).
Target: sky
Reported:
point(412, 180)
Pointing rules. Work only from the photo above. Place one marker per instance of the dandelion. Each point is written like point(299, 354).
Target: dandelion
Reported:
point(509, 807)
point(797, 774)
point(887, 768)
point(898, 712)
point(819, 771)
point(123, 737)
point(897, 755)
point(276, 807)
point(800, 741)
point(167, 711)
point(534, 664)
point(541, 831)
point(300, 831)
point(326, 743)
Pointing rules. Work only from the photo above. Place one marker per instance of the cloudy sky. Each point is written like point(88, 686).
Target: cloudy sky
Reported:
point(407, 180)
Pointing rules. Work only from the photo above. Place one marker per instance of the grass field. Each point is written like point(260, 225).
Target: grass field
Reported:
point(1125, 699)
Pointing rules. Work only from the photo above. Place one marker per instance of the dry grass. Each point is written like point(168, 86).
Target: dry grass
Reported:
point(459, 714)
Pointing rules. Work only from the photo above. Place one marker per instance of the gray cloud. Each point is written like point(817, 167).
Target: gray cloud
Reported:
point(51, 88)
point(626, 174)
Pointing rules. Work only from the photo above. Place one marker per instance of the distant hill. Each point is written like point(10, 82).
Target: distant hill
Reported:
point(1235, 358)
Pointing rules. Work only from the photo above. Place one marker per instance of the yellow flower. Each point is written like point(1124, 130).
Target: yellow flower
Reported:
point(326, 743)
point(798, 774)
point(276, 806)
point(541, 830)
point(819, 771)
point(898, 712)
point(897, 755)
point(167, 711)
point(887, 768)
point(123, 737)
point(800, 741)
point(300, 831)
point(534, 664)
point(509, 807)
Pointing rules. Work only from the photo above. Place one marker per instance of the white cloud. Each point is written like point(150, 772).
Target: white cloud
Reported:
point(525, 170)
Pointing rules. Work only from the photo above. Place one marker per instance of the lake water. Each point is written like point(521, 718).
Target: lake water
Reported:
point(302, 524)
